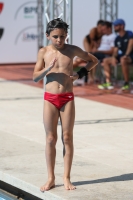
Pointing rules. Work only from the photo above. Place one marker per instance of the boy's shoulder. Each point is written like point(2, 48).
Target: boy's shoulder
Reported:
point(74, 50)
point(43, 50)
point(72, 47)
point(69, 45)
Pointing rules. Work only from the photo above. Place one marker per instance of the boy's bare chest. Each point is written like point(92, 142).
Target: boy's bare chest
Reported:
point(63, 60)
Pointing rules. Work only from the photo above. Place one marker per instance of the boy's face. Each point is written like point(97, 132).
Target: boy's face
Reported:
point(57, 37)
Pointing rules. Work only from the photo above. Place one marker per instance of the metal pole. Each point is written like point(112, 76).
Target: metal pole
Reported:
point(105, 10)
point(40, 23)
point(70, 20)
point(44, 23)
point(108, 9)
point(52, 9)
point(64, 11)
point(111, 10)
point(101, 3)
point(116, 9)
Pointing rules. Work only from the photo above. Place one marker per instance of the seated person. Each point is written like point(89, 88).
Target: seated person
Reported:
point(123, 53)
point(92, 40)
point(106, 46)
point(107, 42)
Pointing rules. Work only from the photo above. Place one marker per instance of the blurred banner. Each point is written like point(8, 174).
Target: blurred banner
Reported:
point(18, 28)
point(18, 31)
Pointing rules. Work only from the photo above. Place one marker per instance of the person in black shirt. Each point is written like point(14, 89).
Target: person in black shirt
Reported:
point(123, 53)
point(92, 40)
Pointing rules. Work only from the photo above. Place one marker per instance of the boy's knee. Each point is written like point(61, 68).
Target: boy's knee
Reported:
point(51, 140)
point(67, 138)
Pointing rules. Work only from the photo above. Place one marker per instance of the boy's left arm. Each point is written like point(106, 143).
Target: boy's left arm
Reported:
point(91, 60)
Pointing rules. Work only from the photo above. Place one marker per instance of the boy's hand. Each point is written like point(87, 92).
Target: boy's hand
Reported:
point(74, 77)
point(52, 64)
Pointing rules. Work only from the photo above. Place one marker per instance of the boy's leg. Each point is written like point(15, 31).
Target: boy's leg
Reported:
point(67, 116)
point(50, 115)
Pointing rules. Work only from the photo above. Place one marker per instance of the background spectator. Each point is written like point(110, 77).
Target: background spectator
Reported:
point(92, 40)
point(107, 42)
point(123, 53)
point(104, 50)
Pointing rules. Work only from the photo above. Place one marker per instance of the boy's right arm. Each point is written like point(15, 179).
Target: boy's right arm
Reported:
point(40, 71)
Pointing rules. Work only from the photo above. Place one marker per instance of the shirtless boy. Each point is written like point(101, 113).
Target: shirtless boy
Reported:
point(56, 63)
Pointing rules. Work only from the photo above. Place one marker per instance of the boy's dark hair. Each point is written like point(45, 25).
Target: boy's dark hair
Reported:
point(107, 24)
point(100, 22)
point(56, 23)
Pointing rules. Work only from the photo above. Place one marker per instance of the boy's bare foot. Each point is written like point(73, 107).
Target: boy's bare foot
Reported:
point(68, 185)
point(48, 185)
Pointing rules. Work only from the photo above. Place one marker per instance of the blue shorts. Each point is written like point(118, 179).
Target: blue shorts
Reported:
point(100, 56)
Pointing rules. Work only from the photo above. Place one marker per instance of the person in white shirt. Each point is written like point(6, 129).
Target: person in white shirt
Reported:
point(107, 42)
point(104, 50)
point(123, 54)
point(106, 46)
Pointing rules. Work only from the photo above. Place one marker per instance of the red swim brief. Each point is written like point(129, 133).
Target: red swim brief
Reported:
point(59, 100)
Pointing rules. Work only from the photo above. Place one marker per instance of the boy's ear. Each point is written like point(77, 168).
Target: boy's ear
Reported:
point(47, 36)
